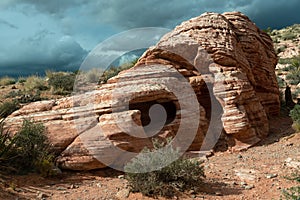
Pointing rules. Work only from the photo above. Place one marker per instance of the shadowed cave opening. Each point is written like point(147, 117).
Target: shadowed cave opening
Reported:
point(144, 107)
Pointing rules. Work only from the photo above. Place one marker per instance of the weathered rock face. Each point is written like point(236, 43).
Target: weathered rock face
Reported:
point(212, 68)
point(243, 69)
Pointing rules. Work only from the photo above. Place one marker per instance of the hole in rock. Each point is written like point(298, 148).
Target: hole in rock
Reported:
point(169, 107)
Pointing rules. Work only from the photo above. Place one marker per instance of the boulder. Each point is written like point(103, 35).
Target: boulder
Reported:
point(212, 74)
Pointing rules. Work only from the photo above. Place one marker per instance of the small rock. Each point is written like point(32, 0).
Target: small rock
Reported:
point(121, 177)
point(192, 192)
point(210, 153)
point(99, 185)
point(73, 186)
point(218, 193)
point(246, 174)
point(289, 144)
point(288, 160)
point(243, 183)
point(292, 164)
point(249, 187)
point(269, 176)
point(240, 156)
point(18, 190)
point(202, 159)
point(42, 195)
point(56, 171)
point(60, 188)
point(123, 194)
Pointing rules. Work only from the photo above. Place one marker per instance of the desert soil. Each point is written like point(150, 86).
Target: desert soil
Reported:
point(258, 173)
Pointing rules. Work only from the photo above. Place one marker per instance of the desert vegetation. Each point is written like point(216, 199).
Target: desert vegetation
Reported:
point(60, 83)
point(181, 175)
point(288, 33)
point(25, 151)
point(293, 193)
point(4, 81)
point(295, 115)
point(290, 74)
point(115, 70)
point(54, 84)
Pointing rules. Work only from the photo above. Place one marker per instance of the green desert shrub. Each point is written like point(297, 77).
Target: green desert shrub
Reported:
point(21, 79)
point(182, 174)
point(293, 193)
point(288, 68)
point(61, 83)
point(14, 94)
point(93, 75)
point(28, 97)
point(107, 74)
point(27, 150)
point(4, 81)
point(281, 82)
point(8, 107)
point(113, 70)
point(35, 83)
point(281, 49)
point(295, 115)
point(284, 61)
point(293, 76)
point(296, 93)
point(25, 96)
point(288, 36)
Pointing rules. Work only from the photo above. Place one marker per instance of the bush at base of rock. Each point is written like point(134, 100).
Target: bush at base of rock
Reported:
point(27, 150)
point(8, 107)
point(180, 175)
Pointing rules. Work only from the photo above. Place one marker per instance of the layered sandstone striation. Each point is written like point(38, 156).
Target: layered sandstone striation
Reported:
point(214, 73)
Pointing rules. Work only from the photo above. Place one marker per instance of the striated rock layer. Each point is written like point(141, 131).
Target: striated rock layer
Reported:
point(214, 73)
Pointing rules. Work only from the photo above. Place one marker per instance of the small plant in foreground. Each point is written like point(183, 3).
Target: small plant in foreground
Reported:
point(27, 150)
point(182, 174)
point(295, 115)
point(293, 193)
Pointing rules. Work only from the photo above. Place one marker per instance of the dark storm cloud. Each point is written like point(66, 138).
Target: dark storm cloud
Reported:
point(274, 14)
point(6, 23)
point(136, 13)
point(59, 33)
point(41, 52)
point(145, 13)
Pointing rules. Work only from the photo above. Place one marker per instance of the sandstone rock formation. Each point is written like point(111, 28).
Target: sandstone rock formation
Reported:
point(212, 68)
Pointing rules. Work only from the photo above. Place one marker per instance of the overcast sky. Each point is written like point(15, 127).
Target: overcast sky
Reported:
point(36, 35)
